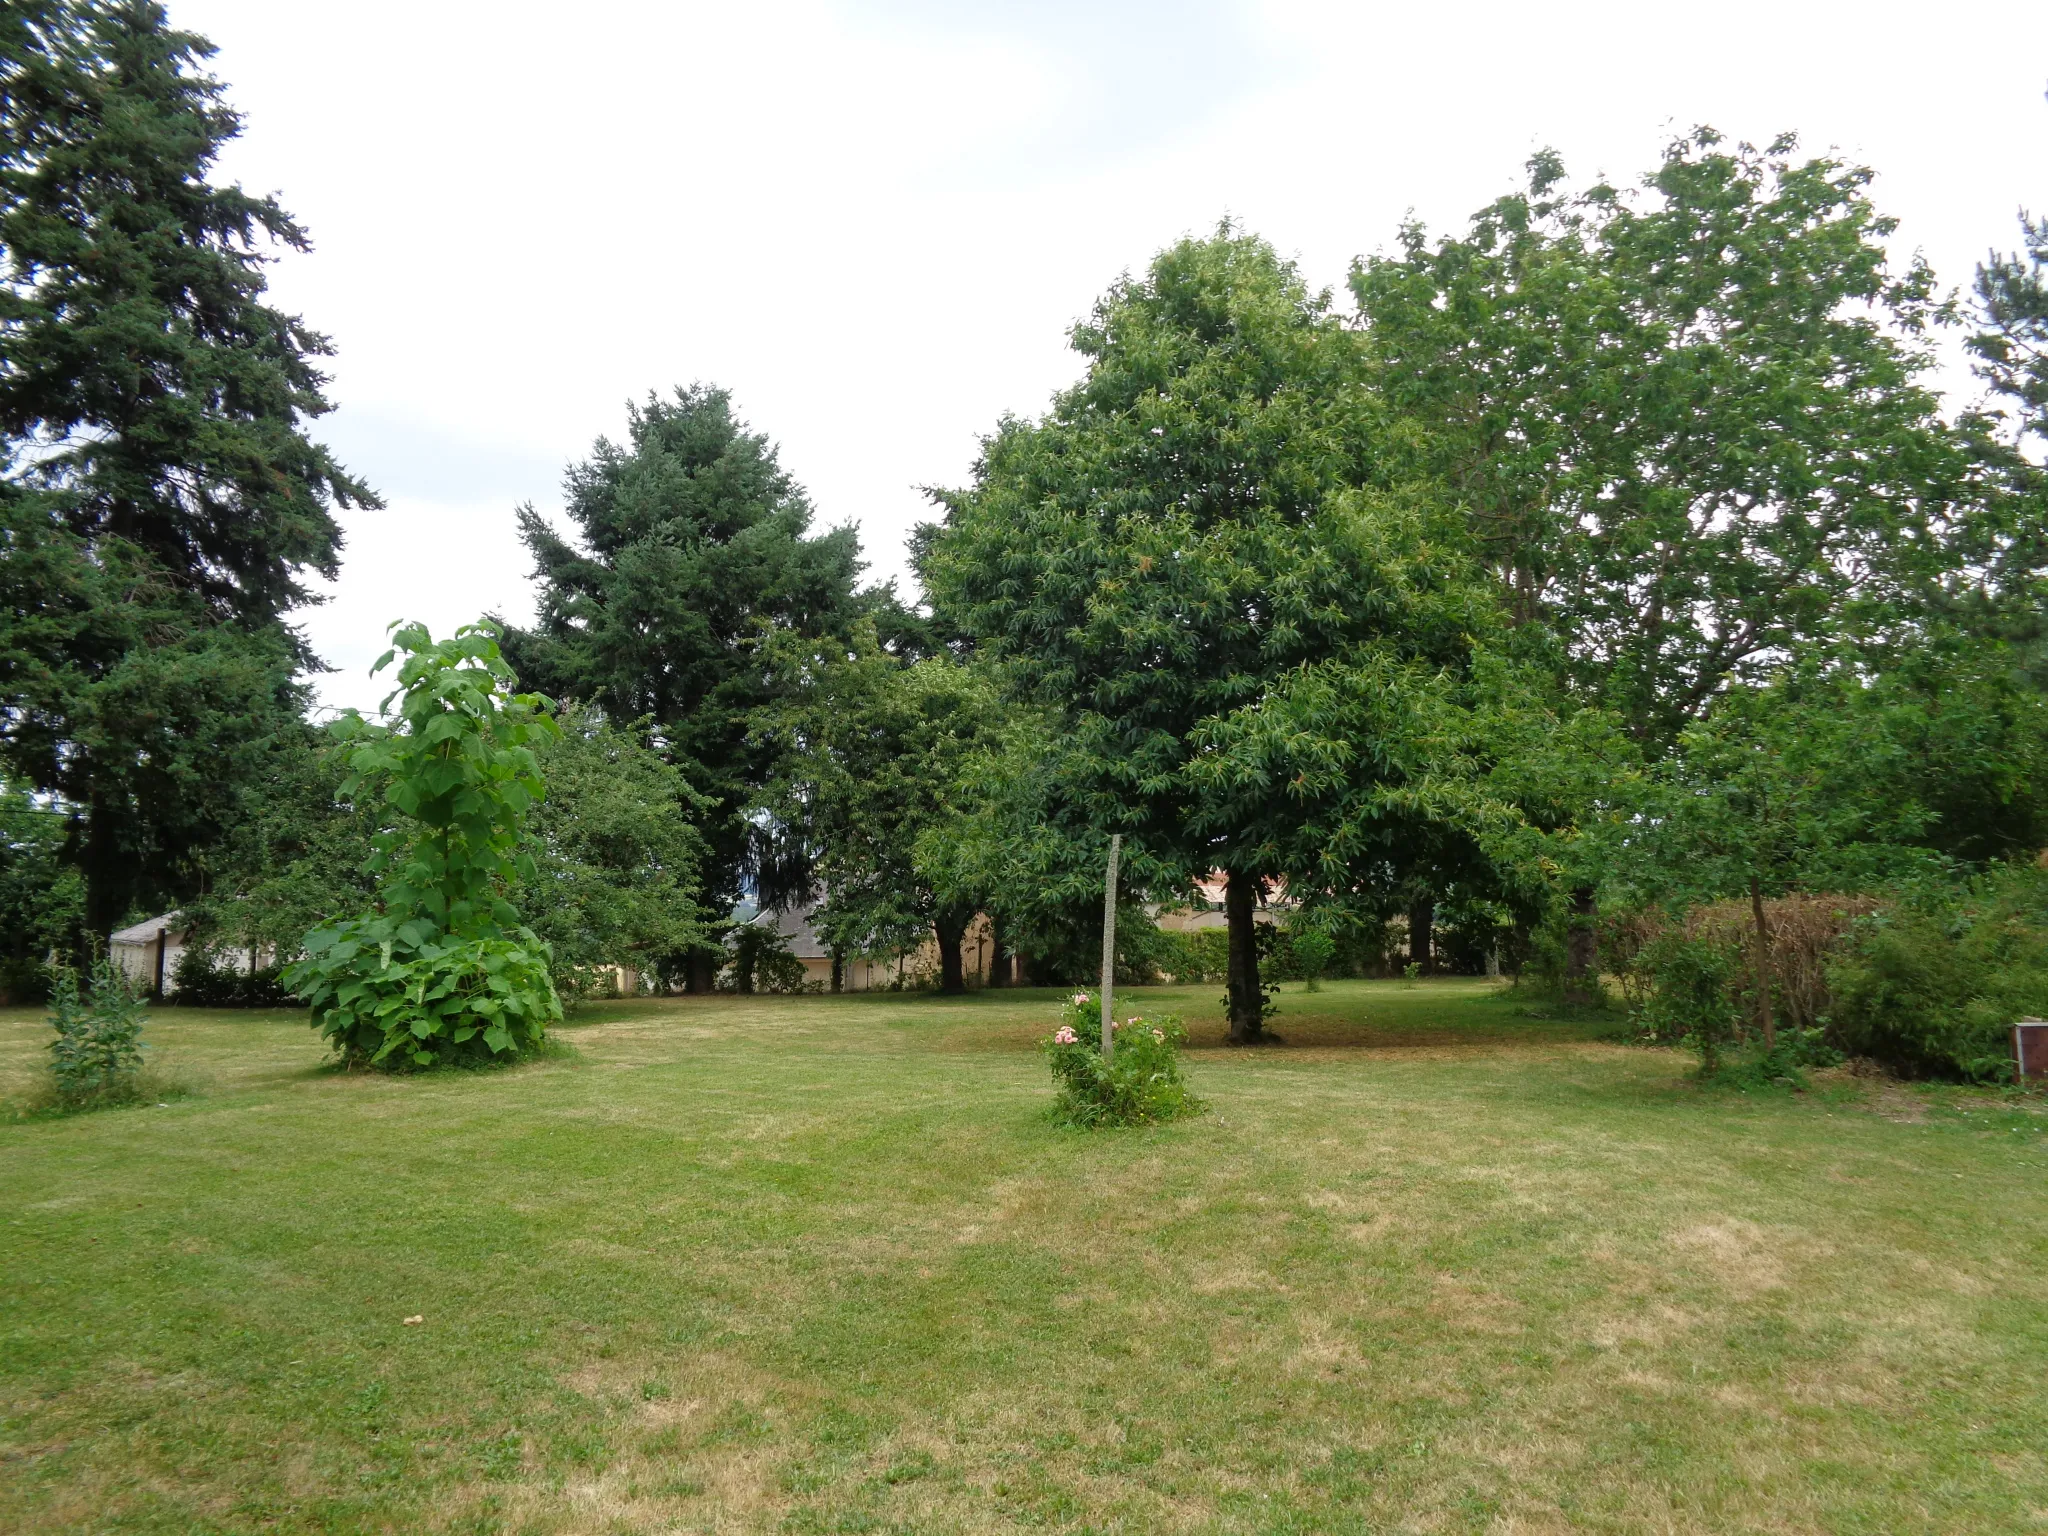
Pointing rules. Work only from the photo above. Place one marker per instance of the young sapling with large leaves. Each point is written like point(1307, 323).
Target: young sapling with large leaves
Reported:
point(443, 972)
point(96, 1059)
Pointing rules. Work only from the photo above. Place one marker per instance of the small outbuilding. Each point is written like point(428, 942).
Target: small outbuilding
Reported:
point(147, 953)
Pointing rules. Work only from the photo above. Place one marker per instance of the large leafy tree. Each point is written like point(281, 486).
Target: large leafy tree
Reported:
point(692, 541)
point(1692, 426)
point(41, 899)
point(616, 856)
point(1196, 563)
point(1692, 430)
point(159, 496)
point(873, 756)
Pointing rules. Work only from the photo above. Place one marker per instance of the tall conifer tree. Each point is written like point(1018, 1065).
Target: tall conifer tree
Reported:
point(692, 540)
point(159, 495)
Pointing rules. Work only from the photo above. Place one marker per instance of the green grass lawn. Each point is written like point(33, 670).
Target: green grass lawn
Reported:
point(823, 1264)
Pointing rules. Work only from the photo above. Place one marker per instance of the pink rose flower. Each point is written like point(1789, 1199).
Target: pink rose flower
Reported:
point(1080, 999)
point(1065, 1036)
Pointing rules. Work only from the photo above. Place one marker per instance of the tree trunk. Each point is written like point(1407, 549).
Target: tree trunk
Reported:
point(1764, 1015)
point(950, 928)
point(701, 976)
point(838, 971)
point(999, 955)
point(1580, 955)
point(1422, 934)
point(109, 884)
point(1247, 1003)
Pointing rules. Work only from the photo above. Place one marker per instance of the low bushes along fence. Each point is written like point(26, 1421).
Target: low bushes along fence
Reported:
point(1927, 982)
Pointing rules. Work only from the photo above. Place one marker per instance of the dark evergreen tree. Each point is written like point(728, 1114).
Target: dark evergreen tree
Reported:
point(2011, 546)
point(691, 540)
point(41, 899)
point(2012, 348)
point(159, 496)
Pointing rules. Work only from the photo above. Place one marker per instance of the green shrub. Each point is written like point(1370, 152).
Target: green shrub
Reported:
point(1543, 960)
point(1932, 988)
point(762, 961)
point(444, 974)
point(1687, 1001)
point(1313, 950)
point(205, 978)
point(96, 1059)
point(427, 999)
point(1194, 954)
point(1138, 1084)
point(1782, 1066)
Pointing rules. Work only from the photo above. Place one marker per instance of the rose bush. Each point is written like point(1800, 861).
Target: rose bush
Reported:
point(1139, 1083)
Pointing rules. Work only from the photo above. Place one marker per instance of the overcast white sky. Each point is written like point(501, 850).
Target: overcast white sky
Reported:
point(875, 221)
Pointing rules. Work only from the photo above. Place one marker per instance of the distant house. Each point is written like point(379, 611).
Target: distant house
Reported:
point(865, 973)
point(148, 952)
point(1207, 909)
point(794, 927)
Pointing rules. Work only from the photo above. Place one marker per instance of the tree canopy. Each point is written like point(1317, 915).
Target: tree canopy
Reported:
point(160, 498)
point(1200, 561)
point(617, 859)
point(692, 542)
point(1692, 427)
point(873, 756)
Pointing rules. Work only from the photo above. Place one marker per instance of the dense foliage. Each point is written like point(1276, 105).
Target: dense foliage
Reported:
point(872, 785)
point(96, 1059)
point(1242, 623)
point(442, 972)
point(1689, 1002)
point(1692, 428)
point(617, 860)
point(293, 860)
point(692, 540)
point(213, 976)
point(762, 960)
point(42, 898)
point(159, 496)
point(1933, 985)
